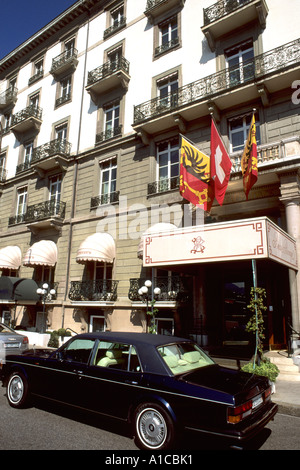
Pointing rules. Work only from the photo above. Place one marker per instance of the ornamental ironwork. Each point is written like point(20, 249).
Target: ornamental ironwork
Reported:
point(108, 134)
point(172, 288)
point(63, 58)
point(52, 148)
point(233, 77)
point(164, 184)
point(31, 111)
point(98, 290)
point(222, 8)
point(107, 69)
point(115, 27)
point(45, 210)
point(8, 96)
point(109, 198)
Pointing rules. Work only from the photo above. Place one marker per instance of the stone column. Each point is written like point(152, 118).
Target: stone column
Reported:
point(290, 196)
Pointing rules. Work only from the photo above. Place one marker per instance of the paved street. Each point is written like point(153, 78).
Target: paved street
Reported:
point(45, 427)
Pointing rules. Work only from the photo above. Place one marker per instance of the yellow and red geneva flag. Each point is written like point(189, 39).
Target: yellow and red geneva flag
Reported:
point(194, 174)
point(249, 159)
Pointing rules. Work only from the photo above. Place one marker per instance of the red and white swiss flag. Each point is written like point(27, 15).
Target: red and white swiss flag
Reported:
point(220, 164)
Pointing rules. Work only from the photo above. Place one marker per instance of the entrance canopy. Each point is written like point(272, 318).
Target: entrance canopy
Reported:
point(257, 238)
point(18, 289)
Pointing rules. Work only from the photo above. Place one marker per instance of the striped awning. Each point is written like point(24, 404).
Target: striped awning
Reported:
point(42, 253)
point(10, 257)
point(97, 247)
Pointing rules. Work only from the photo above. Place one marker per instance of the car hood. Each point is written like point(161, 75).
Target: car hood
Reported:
point(228, 381)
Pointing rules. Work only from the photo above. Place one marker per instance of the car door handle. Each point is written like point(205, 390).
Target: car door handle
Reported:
point(78, 372)
point(131, 382)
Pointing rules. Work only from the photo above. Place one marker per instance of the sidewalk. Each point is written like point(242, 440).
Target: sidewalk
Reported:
point(287, 396)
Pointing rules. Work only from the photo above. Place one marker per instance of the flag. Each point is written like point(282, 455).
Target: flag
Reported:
point(220, 164)
point(194, 174)
point(249, 159)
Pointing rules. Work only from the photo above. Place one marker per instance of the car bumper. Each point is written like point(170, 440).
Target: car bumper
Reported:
point(246, 430)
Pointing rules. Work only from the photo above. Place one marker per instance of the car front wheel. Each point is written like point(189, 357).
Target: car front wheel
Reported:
point(17, 390)
point(154, 428)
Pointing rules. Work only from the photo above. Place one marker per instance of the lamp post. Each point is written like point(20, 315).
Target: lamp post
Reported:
point(153, 294)
point(46, 294)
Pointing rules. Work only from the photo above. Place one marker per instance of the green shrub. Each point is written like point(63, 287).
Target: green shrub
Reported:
point(265, 368)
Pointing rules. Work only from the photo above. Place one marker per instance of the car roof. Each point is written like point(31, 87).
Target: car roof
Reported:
point(135, 338)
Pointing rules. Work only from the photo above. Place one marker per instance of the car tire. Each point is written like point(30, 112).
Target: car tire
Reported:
point(17, 390)
point(154, 427)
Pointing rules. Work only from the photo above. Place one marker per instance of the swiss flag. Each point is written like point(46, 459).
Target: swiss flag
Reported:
point(220, 164)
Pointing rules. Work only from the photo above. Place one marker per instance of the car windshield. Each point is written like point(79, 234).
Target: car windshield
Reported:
point(184, 357)
point(4, 329)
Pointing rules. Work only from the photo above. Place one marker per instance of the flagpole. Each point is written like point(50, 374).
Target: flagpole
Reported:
point(254, 275)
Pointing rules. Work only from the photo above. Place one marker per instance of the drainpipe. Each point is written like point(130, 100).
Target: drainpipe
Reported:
point(75, 173)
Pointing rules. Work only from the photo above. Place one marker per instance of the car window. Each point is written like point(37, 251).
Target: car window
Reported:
point(5, 329)
point(184, 357)
point(117, 356)
point(78, 350)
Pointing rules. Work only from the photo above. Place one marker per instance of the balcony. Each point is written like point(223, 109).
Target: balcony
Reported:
point(54, 154)
point(163, 185)
point(25, 121)
point(8, 98)
point(108, 134)
point(110, 198)
point(172, 289)
point(111, 75)
point(114, 28)
point(64, 63)
point(41, 216)
point(227, 15)
point(104, 290)
point(258, 78)
point(155, 8)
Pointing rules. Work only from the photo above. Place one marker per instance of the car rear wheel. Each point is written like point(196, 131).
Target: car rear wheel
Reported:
point(17, 390)
point(154, 428)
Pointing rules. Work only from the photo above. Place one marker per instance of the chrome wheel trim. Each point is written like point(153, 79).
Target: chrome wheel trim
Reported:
point(15, 389)
point(151, 428)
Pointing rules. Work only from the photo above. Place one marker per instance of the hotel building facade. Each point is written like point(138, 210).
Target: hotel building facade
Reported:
point(92, 107)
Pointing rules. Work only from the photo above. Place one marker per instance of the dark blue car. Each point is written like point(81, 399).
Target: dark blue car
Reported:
point(160, 385)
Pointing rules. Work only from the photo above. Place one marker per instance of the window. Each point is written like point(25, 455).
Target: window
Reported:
point(21, 203)
point(167, 91)
point(78, 350)
point(54, 194)
point(97, 323)
point(114, 59)
point(112, 120)
point(108, 180)
point(65, 89)
point(2, 166)
point(238, 132)
point(102, 271)
point(116, 20)
point(34, 101)
point(168, 35)
point(28, 149)
point(184, 357)
point(69, 48)
point(117, 356)
point(7, 122)
point(38, 70)
point(168, 165)
point(239, 63)
point(61, 132)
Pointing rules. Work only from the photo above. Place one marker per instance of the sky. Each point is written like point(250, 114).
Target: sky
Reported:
point(20, 19)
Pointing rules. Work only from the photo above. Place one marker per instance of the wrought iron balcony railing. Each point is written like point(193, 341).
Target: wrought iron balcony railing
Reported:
point(37, 76)
point(274, 61)
point(222, 8)
point(52, 148)
point(63, 58)
point(164, 184)
point(29, 112)
point(23, 166)
point(8, 97)
point(168, 45)
point(41, 211)
point(115, 27)
point(108, 134)
point(105, 199)
point(172, 288)
point(3, 175)
point(99, 290)
point(107, 69)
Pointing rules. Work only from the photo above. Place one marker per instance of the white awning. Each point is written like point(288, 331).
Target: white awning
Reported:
point(257, 238)
point(10, 257)
point(156, 228)
point(97, 247)
point(43, 253)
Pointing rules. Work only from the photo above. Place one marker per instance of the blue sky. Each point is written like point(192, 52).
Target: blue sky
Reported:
point(20, 19)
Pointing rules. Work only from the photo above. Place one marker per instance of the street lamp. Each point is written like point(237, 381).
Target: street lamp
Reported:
point(46, 294)
point(144, 293)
